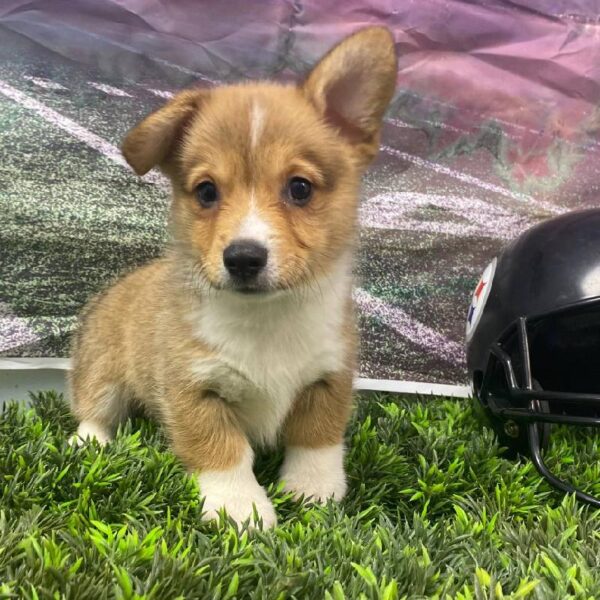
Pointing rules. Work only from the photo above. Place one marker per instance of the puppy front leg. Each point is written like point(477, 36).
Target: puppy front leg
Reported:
point(207, 438)
point(314, 433)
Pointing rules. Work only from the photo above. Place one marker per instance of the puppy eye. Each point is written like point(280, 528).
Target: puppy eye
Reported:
point(299, 190)
point(207, 194)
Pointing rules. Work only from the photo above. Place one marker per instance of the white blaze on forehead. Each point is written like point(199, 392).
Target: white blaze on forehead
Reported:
point(257, 121)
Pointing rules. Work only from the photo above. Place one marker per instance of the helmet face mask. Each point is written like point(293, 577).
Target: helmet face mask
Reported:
point(534, 356)
point(504, 394)
point(523, 367)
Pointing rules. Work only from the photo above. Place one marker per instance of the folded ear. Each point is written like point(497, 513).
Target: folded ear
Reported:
point(152, 142)
point(353, 84)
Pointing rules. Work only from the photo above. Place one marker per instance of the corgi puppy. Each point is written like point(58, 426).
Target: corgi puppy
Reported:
point(243, 334)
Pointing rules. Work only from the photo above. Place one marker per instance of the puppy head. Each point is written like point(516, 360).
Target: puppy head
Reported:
point(265, 177)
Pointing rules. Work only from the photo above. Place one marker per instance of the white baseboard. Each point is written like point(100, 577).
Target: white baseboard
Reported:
point(19, 376)
point(413, 387)
point(16, 384)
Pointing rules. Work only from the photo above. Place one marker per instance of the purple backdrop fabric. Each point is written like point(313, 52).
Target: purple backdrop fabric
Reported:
point(534, 66)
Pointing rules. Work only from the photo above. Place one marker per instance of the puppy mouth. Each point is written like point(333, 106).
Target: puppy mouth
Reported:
point(250, 290)
point(256, 289)
point(244, 287)
point(261, 286)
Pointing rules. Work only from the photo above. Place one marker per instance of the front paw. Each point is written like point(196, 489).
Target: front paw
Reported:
point(240, 497)
point(88, 430)
point(315, 473)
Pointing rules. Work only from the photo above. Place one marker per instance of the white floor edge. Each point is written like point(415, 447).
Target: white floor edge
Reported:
point(19, 376)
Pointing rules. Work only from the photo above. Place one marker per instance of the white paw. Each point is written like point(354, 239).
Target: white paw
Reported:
point(88, 430)
point(315, 473)
point(237, 491)
point(239, 506)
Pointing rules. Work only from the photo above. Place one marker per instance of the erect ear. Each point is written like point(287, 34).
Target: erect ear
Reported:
point(152, 142)
point(353, 84)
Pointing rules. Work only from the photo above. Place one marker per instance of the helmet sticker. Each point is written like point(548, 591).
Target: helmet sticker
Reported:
point(480, 296)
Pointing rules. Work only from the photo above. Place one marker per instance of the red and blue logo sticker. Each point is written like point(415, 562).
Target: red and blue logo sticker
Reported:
point(480, 296)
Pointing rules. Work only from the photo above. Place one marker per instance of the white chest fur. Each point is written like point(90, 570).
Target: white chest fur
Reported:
point(267, 351)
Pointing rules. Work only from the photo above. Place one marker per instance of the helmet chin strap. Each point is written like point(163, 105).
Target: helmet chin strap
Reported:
point(540, 465)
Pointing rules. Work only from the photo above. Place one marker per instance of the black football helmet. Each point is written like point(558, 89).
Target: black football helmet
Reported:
point(533, 336)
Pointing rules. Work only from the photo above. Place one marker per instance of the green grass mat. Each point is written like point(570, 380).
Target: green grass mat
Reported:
point(433, 511)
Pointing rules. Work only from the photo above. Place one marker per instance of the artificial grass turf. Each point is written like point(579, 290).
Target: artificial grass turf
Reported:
point(434, 510)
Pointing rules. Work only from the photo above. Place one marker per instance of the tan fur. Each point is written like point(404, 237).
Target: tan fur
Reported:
point(138, 341)
point(320, 414)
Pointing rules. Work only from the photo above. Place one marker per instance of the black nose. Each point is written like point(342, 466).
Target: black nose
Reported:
point(245, 259)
